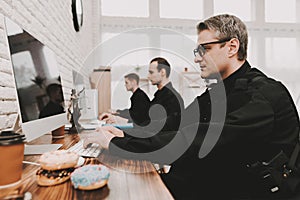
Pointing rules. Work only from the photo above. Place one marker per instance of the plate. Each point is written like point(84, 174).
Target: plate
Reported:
point(80, 162)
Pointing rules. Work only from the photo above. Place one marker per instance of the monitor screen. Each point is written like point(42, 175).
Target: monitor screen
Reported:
point(38, 83)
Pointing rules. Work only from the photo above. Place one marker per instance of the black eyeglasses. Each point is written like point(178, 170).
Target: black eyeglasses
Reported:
point(200, 50)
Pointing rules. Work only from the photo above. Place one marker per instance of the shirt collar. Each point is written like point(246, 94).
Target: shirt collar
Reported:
point(229, 82)
point(168, 86)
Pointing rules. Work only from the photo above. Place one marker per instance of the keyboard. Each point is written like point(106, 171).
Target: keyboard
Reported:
point(92, 151)
point(120, 126)
point(90, 126)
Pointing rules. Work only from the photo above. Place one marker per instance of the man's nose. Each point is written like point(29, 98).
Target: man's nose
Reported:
point(198, 59)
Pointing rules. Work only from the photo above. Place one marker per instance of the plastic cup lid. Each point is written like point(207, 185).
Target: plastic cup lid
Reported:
point(9, 138)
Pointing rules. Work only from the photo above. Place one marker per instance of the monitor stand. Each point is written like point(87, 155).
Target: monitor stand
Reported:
point(40, 149)
point(33, 149)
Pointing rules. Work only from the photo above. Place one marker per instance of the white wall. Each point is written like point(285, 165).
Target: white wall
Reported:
point(50, 21)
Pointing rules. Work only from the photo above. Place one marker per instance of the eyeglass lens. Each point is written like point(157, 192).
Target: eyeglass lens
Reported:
point(199, 51)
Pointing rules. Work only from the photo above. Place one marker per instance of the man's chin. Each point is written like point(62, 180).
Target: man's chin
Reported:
point(204, 75)
point(209, 76)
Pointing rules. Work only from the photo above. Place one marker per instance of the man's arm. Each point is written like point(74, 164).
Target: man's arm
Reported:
point(123, 113)
point(112, 119)
point(250, 123)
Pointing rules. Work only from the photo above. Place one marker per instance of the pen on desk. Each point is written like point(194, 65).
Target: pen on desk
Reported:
point(31, 163)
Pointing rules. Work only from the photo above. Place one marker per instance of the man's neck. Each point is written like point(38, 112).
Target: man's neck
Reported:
point(163, 83)
point(134, 89)
point(235, 65)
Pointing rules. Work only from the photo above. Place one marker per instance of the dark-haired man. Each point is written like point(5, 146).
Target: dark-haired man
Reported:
point(140, 103)
point(165, 96)
point(165, 107)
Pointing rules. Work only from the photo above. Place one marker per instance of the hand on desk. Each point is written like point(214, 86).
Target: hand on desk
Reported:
point(113, 130)
point(112, 119)
point(113, 111)
point(103, 136)
point(104, 116)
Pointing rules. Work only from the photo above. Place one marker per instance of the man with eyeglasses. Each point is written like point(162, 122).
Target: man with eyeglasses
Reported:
point(244, 119)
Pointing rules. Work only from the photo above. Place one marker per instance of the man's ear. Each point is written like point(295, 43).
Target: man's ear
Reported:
point(234, 45)
point(163, 72)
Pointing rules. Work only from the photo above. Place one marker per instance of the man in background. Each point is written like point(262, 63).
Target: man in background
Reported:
point(140, 103)
point(165, 107)
point(166, 98)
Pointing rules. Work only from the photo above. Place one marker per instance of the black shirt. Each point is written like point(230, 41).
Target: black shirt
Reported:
point(259, 121)
point(138, 111)
point(165, 113)
point(166, 106)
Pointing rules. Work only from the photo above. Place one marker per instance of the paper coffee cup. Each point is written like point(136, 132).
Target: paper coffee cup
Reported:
point(11, 156)
point(59, 132)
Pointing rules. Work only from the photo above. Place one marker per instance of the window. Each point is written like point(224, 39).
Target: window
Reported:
point(281, 52)
point(107, 36)
point(129, 8)
point(128, 53)
point(179, 47)
point(275, 13)
point(188, 9)
point(241, 9)
point(134, 58)
point(250, 54)
point(193, 38)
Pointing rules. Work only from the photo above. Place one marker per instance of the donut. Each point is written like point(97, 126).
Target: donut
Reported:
point(90, 177)
point(49, 178)
point(60, 159)
point(56, 167)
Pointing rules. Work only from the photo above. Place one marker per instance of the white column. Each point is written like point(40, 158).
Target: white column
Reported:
point(208, 8)
point(297, 11)
point(154, 9)
point(258, 39)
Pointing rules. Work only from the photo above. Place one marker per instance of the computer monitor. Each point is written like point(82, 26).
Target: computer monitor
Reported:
point(38, 83)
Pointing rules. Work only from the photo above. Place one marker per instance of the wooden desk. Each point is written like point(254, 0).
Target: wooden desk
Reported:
point(129, 179)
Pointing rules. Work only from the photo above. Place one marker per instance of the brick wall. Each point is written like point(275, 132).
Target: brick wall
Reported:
point(50, 21)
